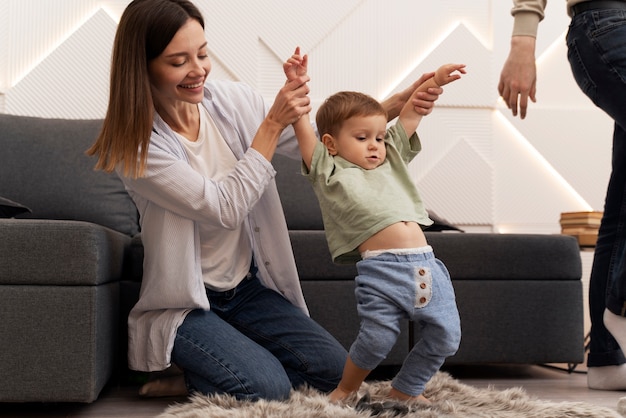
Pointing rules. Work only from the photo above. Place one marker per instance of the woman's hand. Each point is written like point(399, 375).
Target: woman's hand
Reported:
point(292, 101)
point(424, 101)
point(396, 102)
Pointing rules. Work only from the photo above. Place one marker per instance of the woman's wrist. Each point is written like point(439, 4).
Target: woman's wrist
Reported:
point(266, 138)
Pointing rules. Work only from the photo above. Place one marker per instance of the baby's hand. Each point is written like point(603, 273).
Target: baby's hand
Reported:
point(295, 66)
point(444, 74)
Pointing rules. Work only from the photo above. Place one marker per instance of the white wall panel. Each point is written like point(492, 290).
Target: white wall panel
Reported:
point(37, 27)
point(479, 166)
point(80, 66)
point(308, 22)
point(530, 193)
point(576, 148)
point(460, 46)
point(460, 186)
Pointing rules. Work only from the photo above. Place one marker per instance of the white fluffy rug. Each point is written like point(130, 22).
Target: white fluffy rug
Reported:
point(449, 398)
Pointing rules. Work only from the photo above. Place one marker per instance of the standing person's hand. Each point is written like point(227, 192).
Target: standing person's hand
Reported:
point(518, 79)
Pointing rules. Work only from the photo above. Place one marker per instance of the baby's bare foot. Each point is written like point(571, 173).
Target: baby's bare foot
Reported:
point(396, 394)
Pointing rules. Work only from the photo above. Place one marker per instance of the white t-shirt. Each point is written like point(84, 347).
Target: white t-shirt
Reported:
point(226, 254)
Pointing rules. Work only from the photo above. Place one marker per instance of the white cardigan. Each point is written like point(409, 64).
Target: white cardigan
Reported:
point(172, 198)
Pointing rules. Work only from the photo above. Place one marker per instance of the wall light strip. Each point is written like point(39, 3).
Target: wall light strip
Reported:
point(558, 42)
point(419, 60)
point(536, 155)
point(52, 47)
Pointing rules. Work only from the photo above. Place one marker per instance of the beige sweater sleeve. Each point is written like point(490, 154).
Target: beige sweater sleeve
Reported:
point(528, 13)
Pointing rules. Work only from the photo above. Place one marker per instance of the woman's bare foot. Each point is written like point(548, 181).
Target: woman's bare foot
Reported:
point(164, 386)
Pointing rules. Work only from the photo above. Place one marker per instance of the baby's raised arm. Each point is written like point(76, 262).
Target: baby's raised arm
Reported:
point(294, 67)
point(411, 115)
point(446, 74)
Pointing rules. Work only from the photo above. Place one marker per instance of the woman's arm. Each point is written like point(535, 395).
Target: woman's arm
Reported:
point(171, 183)
point(290, 104)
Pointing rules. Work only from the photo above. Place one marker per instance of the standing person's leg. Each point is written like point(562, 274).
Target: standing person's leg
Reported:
point(308, 353)
point(606, 361)
point(597, 54)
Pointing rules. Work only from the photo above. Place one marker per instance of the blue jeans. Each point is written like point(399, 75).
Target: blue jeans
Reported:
point(391, 287)
point(254, 344)
point(596, 43)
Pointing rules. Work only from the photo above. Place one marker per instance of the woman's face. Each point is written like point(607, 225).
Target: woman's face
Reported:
point(179, 73)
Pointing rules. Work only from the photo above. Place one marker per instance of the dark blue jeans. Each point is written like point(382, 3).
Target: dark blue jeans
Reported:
point(596, 43)
point(254, 344)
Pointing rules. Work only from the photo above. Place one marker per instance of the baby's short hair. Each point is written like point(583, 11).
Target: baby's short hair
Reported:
point(342, 106)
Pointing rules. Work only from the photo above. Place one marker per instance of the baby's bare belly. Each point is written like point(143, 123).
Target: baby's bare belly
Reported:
point(398, 235)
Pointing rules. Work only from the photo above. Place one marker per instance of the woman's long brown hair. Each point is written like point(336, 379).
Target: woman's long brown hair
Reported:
point(145, 29)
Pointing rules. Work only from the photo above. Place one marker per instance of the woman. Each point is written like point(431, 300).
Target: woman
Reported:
point(220, 295)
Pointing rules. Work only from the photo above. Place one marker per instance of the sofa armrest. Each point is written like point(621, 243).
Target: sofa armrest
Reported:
point(46, 252)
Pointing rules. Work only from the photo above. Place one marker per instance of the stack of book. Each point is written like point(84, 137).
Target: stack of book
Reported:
point(582, 225)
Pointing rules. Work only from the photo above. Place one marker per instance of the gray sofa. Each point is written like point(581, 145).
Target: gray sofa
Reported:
point(70, 270)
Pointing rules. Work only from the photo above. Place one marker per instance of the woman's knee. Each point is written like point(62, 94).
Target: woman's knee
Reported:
point(217, 358)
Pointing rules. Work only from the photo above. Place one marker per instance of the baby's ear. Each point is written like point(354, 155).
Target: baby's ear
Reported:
point(329, 142)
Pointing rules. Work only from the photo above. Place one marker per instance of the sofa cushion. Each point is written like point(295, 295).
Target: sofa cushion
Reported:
point(313, 259)
point(468, 256)
point(302, 210)
point(490, 256)
point(50, 173)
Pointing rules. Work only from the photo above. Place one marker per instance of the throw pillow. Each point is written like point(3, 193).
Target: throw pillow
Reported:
point(440, 224)
point(9, 208)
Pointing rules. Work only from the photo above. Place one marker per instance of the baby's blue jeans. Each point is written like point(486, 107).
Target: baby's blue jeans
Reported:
point(390, 287)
